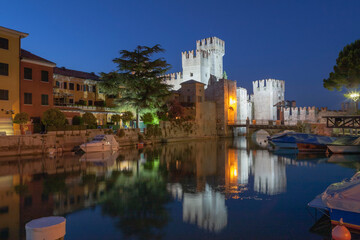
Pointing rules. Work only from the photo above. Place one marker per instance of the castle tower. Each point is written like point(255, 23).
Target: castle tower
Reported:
point(267, 93)
point(206, 60)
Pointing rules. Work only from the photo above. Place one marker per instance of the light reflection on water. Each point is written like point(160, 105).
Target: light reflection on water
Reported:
point(141, 192)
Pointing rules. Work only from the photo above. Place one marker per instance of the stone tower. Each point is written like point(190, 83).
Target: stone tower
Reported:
point(201, 63)
point(267, 93)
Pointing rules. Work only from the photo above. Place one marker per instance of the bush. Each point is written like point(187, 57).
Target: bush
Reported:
point(115, 118)
point(147, 118)
point(53, 117)
point(127, 116)
point(21, 118)
point(90, 120)
point(77, 120)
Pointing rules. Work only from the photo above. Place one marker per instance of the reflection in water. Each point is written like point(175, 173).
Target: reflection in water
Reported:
point(134, 186)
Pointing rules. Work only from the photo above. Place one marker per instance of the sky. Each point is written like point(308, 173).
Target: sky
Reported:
point(295, 41)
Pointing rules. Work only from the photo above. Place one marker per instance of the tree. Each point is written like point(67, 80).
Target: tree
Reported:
point(346, 72)
point(141, 78)
point(115, 118)
point(127, 116)
point(21, 119)
point(176, 111)
point(77, 120)
point(147, 118)
point(90, 120)
point(53, 117)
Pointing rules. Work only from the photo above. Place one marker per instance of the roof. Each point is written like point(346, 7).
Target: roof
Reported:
point(191, 82)
point(77, 74)
point(28, 55)
point(13, 32)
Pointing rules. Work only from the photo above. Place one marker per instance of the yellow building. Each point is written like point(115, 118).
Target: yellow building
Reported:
point(10, 44)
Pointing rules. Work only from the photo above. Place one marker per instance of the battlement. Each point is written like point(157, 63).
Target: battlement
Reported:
point(295, 114)
point(268, 83)
point(195, 54)
point(173, 76)
point(211, 43)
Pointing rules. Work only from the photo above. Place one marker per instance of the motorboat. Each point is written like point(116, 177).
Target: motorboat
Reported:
point(341, 201)
point(346, 144)
point(300, 141)
point(100, 143)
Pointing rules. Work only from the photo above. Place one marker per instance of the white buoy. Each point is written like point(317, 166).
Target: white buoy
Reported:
point(46, 228)
point(340, 232)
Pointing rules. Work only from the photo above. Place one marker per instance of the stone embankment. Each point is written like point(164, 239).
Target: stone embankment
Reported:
point(65, 141)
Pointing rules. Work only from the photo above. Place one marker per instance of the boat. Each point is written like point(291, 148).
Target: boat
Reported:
point(300, 141)
point(100, 143)
point(341, 200)
point(346, 144)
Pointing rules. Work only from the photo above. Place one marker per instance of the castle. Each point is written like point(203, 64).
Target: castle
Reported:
point(200, 64)
point(205, 65)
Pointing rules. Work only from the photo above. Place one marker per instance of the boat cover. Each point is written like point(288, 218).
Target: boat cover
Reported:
point(346, 140)
point(294, 137)
point(344, 195)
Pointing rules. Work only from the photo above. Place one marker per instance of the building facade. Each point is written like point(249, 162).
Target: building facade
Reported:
point(36, 84)
point(10, 42)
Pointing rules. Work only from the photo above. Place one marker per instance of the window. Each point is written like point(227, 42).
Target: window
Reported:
point(27, 98)
point(188, 98)
point(94, 89)
point(71, 101)
point(65, 85)
point(4, 210)
point(84, 88)
point(28, 201)
point(4, 94)
point(4, 43)
point(44, 99)
point(90, 103)
point(191, 74)
point(4, 69)
point(71, 86)
point(28, 73)
point(199, 99)
point(78, 87)
point(57, 84)
point(44, 76)
point(4, 233)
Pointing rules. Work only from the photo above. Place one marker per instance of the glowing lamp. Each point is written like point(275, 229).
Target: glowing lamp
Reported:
point(353, 96)
point(232, 101)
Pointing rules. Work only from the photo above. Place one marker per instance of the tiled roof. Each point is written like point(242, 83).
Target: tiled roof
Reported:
point(73, 73)
point(191, 81)
point(31, 56)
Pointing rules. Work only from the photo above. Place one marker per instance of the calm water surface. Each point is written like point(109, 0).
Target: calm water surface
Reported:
point(218, 189)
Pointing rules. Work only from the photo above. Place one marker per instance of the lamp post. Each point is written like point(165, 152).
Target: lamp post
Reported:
point(354, 95)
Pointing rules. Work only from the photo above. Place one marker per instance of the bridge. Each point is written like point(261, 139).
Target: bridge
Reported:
point(262, 124)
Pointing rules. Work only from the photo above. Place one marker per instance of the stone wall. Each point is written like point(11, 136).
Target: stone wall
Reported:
point(65, 140)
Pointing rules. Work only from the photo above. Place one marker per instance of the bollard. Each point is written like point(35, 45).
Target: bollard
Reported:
point(46, 228)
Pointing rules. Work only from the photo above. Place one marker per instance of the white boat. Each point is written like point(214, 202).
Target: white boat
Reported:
point(345, 145)
point(101, 143)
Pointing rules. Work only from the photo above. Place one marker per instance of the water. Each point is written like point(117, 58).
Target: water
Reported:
point(224, 189)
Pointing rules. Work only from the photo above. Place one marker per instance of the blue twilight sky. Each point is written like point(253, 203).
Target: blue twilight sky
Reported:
point(295, 41)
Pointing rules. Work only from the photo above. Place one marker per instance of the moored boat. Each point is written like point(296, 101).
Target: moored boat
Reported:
point(101, 143)
point(345, 145)
point(308, 142)
point(341, 200)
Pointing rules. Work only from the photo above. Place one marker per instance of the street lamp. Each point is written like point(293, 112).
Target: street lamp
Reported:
point(353, 95)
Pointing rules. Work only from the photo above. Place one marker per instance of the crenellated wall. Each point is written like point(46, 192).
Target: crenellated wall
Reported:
point(293, 115)
point(199, 64)
point(267, 93)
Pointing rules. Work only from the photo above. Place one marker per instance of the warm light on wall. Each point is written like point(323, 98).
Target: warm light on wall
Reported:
point(232, 101)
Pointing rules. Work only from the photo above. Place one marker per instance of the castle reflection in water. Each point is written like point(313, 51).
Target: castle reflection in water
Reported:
point(201, 175)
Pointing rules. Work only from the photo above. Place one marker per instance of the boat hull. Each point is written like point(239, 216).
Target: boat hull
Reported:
point(344, 149)
point(309, 147)
point(287, 145)
point(350, 219)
